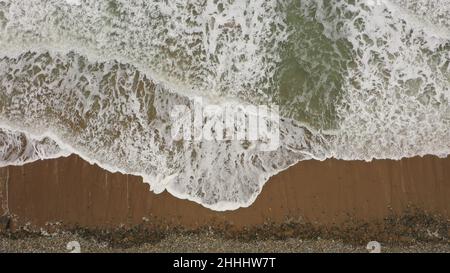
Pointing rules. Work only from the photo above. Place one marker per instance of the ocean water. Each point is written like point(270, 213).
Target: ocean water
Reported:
point(108, 80)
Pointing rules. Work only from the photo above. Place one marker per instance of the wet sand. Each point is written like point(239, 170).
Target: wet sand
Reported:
point(335, 196)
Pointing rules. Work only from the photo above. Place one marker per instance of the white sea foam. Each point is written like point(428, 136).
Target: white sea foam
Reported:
point(17, 148)
point(396, 102)
point(112, 115)
point(100, 79)
point(212, 48)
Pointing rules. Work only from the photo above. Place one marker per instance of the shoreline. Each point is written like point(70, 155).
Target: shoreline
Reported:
point(396, 202)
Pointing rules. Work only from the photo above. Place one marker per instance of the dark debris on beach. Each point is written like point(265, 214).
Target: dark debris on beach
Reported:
point(412, 232)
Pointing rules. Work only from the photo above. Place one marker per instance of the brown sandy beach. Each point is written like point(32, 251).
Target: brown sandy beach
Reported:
point(397, 202)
